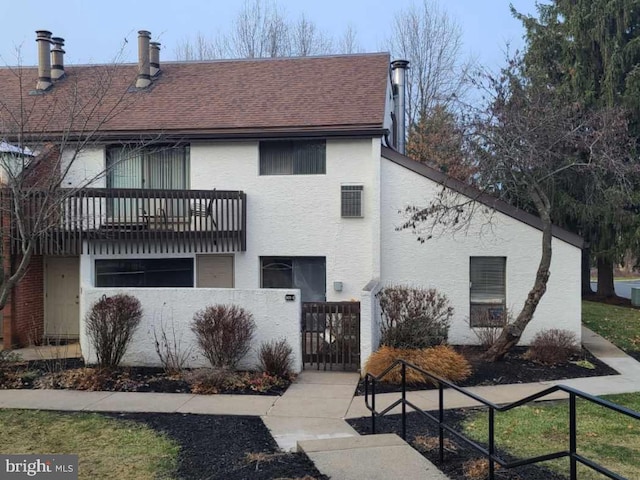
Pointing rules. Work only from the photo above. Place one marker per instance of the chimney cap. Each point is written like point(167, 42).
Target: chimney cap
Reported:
point(58, 40)
point(43, 34)
point(155, 44)
point(144, 33)
point(400, 63)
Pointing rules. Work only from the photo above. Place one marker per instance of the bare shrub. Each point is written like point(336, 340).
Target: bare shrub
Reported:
point(477, 469)
point(442, 361)
point(173, 356)
point(414, 317)
point(553, 347)
point(208, 381)
point(424, 443)
point(488, 328)
point(224, 334)
point(111, 323)
point(276, 357)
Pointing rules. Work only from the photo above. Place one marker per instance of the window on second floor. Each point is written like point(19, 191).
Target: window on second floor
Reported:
point(161, 167)
point(293, 157)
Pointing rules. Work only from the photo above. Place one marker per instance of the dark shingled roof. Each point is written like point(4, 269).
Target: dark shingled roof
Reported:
point(223, 98)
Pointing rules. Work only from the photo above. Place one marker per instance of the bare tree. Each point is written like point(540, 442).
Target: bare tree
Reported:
point(262, 29)
point(431, 40)
point(348, 42)
point(525, 144)
point(201, 48)
point(44, 134)
point(307, 39)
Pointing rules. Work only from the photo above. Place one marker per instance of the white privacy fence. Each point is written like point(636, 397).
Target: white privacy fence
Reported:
point(275, 314)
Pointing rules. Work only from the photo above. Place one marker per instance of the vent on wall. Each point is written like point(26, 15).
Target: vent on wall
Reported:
point(351, 201)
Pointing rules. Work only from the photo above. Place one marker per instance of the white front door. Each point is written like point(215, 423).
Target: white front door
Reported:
point(62, 309)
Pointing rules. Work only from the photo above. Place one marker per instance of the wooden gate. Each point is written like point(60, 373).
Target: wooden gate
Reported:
point(331, 335)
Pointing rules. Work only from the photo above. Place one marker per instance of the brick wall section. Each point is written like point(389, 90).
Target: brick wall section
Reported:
point(24, 314)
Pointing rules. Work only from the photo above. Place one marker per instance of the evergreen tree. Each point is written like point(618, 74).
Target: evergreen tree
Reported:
point(590, 51)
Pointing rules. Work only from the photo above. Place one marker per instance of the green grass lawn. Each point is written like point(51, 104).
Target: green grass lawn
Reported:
point(619, 325)
point(606, 437)
point(107, 448)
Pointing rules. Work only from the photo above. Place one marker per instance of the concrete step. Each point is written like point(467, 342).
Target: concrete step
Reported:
point(371, 457)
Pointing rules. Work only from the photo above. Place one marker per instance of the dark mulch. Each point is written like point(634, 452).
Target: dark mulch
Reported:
point(513, 369)
point(215, 447)
point(456, 456)
point(126, 379)
point(634, 353)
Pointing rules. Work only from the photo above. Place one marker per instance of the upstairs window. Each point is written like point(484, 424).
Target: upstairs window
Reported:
point(351, 201)
point(487, 277)
point(293, 157)
point(157, 167)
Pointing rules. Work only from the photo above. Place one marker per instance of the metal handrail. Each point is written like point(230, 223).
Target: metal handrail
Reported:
point(490, 452)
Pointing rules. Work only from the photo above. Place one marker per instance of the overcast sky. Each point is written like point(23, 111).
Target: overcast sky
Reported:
point(94, 30)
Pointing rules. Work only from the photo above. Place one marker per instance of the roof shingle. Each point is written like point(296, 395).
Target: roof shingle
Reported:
point(226, 96)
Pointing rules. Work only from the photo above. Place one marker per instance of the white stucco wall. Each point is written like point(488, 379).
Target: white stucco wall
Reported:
point(87, 169)
point(299, 215)
point(443, 262)
point(275, 318)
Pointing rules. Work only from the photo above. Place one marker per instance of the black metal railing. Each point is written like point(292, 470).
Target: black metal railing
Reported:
point(117, 220)
point(331, 335)
point(490, 452)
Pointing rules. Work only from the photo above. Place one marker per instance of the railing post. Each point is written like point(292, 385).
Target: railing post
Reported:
point(573, 466)
point(373, 406)
point(441, 420)
point(404, 401)
point(492, 443)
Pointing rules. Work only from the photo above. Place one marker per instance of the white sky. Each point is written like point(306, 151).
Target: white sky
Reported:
point(94, 30)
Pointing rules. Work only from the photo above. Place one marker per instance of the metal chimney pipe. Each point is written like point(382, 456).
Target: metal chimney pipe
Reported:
point(399, 78)
point(57, 58)
point(43, 37)
point(144, 77)
point(154, 58)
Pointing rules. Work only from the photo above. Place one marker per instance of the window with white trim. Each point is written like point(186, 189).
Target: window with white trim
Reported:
point(293, 157)
point(487, 284)
point(351, 201)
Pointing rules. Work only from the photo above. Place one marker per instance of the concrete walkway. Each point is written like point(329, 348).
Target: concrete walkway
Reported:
point(310, 415)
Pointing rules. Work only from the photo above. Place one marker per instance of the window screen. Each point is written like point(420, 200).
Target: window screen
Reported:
point(351, 201)
point(487, 277)
point(296, 157)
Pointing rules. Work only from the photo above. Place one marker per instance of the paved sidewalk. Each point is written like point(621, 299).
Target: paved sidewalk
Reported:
point(310, 415)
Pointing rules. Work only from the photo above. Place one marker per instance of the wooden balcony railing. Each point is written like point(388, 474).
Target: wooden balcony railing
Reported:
point(116, 221)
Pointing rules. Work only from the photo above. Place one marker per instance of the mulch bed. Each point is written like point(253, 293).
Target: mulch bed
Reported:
point(35, 374)
point(215, 446)
point(457, 453)
point(512, 369)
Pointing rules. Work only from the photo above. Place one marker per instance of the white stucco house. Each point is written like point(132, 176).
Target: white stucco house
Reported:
point(276, 185)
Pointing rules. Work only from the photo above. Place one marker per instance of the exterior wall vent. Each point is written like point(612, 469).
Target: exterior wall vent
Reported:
point(352, 205)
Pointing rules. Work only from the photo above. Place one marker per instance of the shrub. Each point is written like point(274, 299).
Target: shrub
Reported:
point(276, 357)
point(477, 469)
point(491, 330)
point(442, 361)
point(224, 334)
point(111, 323)
point(207, 381)
point(414, 318)
point(553, 347)
point(169, 349)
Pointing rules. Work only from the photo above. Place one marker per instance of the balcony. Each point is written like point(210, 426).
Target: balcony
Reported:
point(126, 221)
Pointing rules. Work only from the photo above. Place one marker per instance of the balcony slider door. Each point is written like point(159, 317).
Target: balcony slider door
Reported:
point(157, 168)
